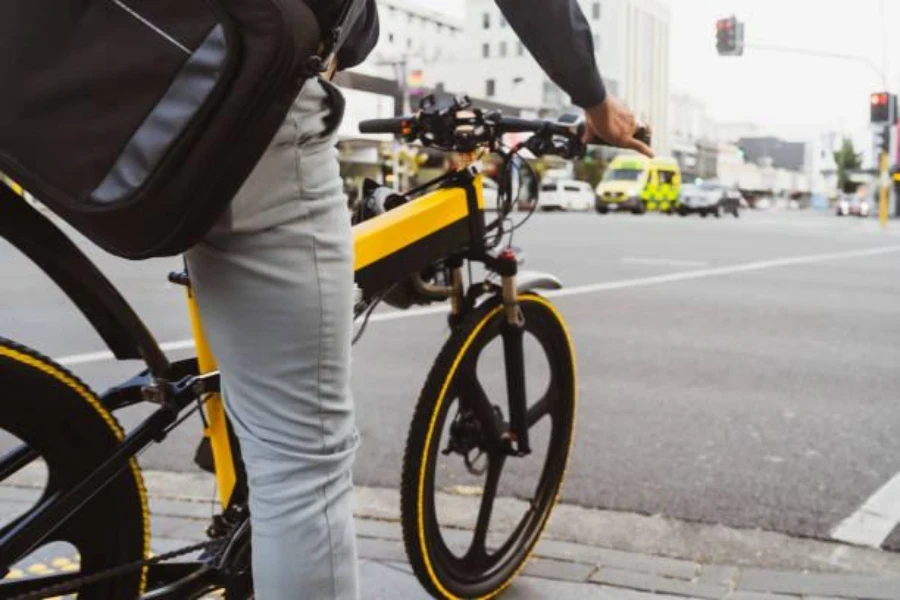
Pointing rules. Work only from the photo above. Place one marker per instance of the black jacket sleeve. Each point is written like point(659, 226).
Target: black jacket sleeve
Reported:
point(559, 37)
point(362, 37)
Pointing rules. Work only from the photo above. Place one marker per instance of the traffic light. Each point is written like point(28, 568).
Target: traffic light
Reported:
point(883, 139)
point(883, 108)
point(729, 37)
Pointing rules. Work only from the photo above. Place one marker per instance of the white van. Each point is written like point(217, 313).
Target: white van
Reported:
point(566, 194)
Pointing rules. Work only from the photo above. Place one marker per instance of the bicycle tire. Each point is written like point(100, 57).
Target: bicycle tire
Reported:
point(73, 433)
point(424, 544)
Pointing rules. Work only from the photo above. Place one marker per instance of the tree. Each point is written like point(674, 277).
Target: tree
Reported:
point(847, 159)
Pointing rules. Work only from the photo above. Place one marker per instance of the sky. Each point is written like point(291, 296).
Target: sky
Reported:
point(793, 95)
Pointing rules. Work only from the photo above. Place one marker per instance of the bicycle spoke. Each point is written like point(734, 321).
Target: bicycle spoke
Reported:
point(16, 459)
point(542, 407)
point(478, 550)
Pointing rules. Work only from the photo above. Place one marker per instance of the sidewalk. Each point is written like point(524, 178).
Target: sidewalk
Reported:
point(584, 555)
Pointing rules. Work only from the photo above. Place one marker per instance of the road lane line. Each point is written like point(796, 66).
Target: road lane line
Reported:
point(606, 286)
point(664, 262)
point(90, 357)
point(874, 521)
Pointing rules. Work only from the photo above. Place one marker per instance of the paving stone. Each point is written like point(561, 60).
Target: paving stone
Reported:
point(655, 583)
point(820, 584)
point(177, 527)
point(180, 508)
point(531, 588)
point(384, 583)
point(558, 569)
point(738, 595)
point(401, 566)
point(381, 550)
point(378, 529)
point(718, 574)
point(628, 561)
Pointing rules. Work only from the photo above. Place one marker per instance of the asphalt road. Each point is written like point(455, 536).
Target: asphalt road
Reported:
point(761, 396)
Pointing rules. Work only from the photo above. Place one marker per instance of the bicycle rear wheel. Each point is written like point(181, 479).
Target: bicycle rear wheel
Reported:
point(54, 425)
point(447, 565)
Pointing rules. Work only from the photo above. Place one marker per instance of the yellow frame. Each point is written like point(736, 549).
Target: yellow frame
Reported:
point(374, 240)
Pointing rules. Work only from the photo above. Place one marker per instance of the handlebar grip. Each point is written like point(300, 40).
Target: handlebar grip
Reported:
point(642, 134)
point(517, 125)
point(395, 126)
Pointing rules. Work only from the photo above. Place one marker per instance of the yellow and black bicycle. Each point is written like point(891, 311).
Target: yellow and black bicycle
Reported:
point(410, 249)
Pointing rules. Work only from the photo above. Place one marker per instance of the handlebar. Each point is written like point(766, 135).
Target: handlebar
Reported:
point(459, 126)
point(395, 126)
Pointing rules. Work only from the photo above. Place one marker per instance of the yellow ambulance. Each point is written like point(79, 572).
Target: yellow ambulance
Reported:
point(636, 183)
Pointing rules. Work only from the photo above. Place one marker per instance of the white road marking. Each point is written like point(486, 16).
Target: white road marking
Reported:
point(664, 262)
point(606, 286)
point(759, 265)
point(873, 522)
point(90, 357)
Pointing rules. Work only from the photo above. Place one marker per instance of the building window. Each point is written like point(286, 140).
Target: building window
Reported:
point(391, 38)
point(485, 50)
point(409, 42)
point(486, 20)
point(596, 42)
point(489, 88)
point(502, 48)
point(502, 21)
point(595, 11)
point(521, 50)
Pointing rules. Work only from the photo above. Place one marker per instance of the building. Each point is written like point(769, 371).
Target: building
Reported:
point(631, 40)
point(783, 154)
point(693, 136)
point(412, 34)
point(411, 37)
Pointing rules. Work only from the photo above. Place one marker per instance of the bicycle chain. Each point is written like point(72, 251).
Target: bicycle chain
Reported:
point(75, 584)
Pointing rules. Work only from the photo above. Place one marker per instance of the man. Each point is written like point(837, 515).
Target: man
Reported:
point(274, 281)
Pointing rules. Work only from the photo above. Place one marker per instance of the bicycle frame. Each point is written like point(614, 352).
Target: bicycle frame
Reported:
point(446, 224)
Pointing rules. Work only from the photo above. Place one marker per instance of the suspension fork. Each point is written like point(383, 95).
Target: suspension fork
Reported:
point(512, 330)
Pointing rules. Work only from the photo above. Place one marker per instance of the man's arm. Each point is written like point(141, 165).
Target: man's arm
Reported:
point(559, 37)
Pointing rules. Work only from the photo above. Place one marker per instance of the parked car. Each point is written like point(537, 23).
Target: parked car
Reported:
point(852, 206)
point(566, 194)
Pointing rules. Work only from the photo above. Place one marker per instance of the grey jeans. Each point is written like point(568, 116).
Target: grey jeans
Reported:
point(274, 283)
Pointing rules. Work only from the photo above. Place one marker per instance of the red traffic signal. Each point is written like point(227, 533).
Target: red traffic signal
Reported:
point(729, 37)
point(883, 108)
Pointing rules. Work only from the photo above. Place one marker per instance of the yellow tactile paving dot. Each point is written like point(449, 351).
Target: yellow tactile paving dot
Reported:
point(68, 564)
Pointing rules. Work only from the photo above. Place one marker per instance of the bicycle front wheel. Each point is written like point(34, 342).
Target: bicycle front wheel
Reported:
point(465, 538)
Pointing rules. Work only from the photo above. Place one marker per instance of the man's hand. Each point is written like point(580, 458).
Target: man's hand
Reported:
point(613, 123)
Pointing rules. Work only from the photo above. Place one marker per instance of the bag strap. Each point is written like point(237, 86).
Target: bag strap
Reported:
point(336, 38)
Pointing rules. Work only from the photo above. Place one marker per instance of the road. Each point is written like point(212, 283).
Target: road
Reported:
point(743, 372)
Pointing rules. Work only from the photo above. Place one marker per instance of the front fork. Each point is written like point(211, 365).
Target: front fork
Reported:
point(512, 331)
